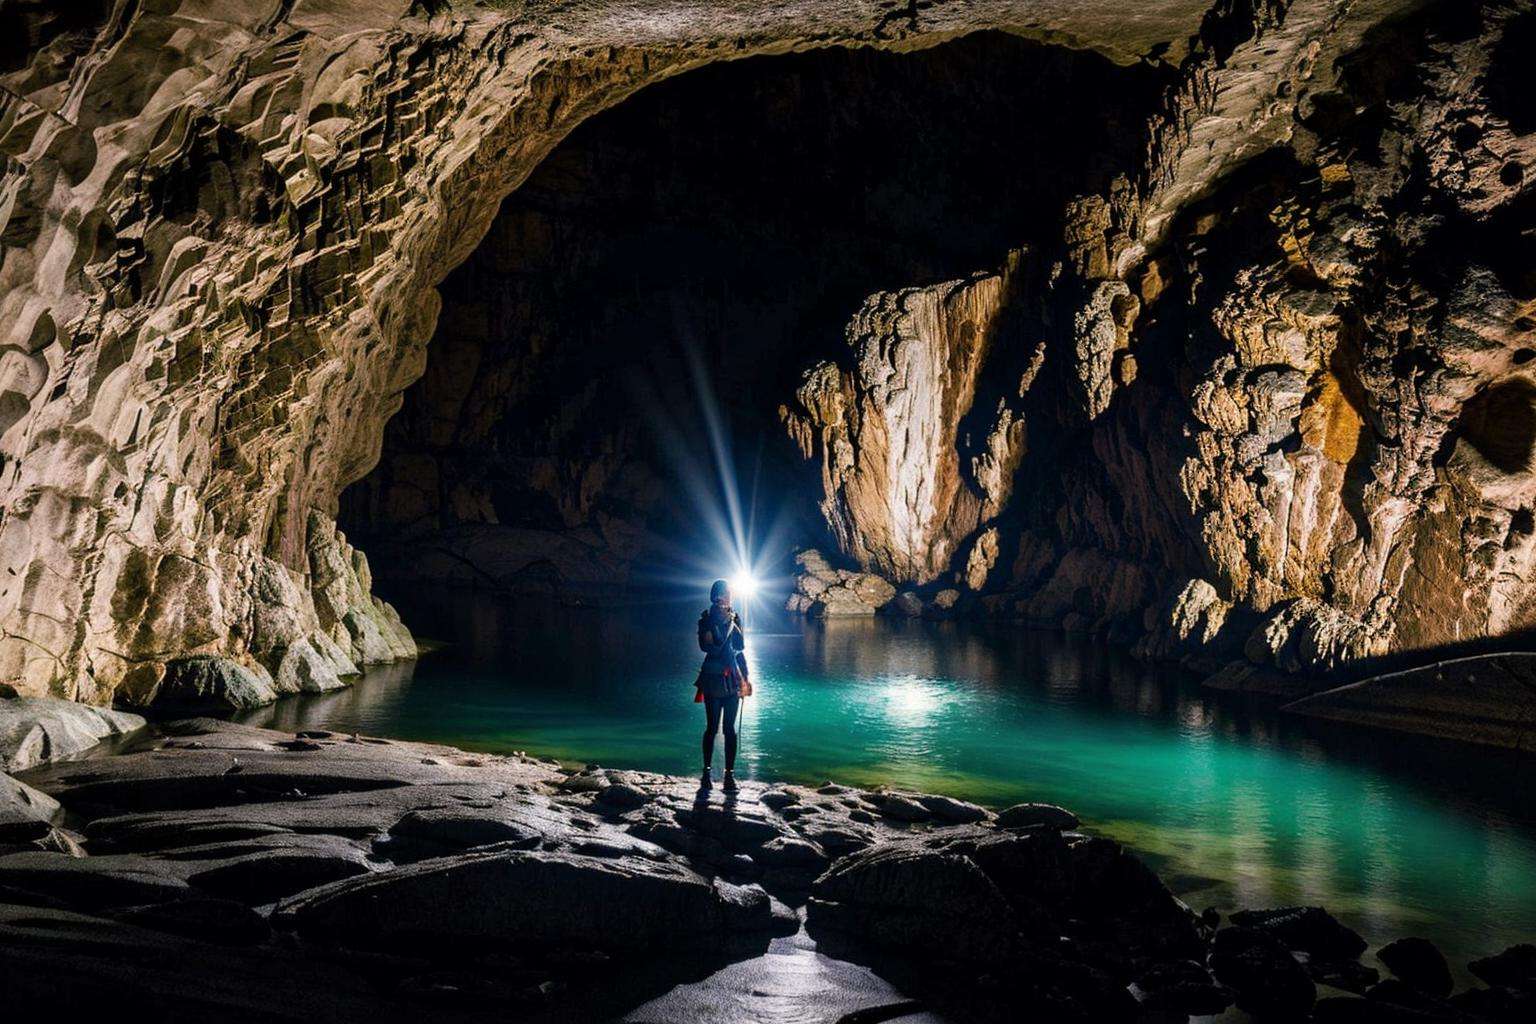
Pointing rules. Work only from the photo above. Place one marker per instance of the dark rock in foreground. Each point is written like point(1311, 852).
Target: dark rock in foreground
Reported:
point(1262, 972)
point(1310, 930)
point(1417, 963)
point(515, 898)
point(1513, 968)
point(399, 881)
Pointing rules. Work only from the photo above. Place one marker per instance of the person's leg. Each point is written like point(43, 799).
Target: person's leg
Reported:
point(728, 708)
point(711, 727)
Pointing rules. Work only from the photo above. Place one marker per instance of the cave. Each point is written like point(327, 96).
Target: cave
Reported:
point(653, 289)
point(711, 510)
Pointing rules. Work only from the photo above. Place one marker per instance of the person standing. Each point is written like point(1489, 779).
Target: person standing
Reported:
point(723, 680)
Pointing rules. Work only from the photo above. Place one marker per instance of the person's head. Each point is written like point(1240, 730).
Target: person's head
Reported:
point(720, 593)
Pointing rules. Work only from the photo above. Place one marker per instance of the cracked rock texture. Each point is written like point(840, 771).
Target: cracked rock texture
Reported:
point(1275, 411)
point(1280, 349)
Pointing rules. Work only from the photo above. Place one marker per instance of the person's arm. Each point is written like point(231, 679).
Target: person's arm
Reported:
point(739, 643)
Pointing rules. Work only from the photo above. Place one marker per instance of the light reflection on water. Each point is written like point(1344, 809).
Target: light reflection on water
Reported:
point(1235, 807)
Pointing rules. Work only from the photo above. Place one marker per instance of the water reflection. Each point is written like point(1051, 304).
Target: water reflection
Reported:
point(1234, 805)
point(378, 699)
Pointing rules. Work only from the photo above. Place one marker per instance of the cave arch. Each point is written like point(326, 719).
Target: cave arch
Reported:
point(733, 218)
point(217, 376)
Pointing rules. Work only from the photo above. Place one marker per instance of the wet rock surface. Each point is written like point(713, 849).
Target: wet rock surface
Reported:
point(388, 878)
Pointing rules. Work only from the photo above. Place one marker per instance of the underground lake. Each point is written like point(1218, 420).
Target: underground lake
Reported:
point(1234, 805)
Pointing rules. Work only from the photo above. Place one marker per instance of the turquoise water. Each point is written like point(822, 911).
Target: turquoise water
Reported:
point(1234, 806)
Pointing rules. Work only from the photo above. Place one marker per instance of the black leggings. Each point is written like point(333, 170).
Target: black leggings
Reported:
point(720, 711)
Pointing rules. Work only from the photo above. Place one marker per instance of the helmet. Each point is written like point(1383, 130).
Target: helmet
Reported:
point(718, 591)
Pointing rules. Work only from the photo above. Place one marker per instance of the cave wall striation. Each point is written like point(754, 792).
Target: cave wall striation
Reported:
point(1279, 357)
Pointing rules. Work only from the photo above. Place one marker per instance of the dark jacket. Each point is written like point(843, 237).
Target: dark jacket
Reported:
point(724, 647)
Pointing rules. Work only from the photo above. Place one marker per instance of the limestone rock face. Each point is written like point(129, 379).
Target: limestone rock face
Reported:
point(213, 683)
point(886, 429)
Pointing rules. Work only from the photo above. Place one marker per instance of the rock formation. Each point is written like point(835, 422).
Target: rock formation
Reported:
point(1279, 417)
point(886, 431)
point(1272, 341)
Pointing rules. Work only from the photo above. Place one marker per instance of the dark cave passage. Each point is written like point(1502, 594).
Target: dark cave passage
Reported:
point(711, 237)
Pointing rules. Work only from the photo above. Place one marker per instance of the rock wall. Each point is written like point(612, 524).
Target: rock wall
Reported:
point(1283, 419)
point(223, 227)
point(886, 430)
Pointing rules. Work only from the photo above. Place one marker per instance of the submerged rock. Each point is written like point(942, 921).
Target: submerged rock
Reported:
point(1036, 815)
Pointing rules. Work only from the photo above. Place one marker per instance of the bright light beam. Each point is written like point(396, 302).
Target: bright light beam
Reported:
point(743, 585)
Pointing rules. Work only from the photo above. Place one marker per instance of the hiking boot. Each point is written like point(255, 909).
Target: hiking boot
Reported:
point(730, 781)
point(707, 779)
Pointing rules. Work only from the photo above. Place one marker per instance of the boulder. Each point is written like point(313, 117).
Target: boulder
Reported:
point(622, 796)
point(1037, 816)
point(1266, 978)
point(304, 668)
point(1419, 964)
point(1182, 987)
point(905, 605)
point(837, 602)
point(26, 814)
point(1497, 1004)
point(621, 905)
point(835, 837)
point(900, 807)
point(875, 591)
point(463, 828)
point(1513, 968)
point(949, 809)
point(909, 897)
point(34, 730)
point(1310, 930)
point(208, 683)
point(1132, 908)
point(788, 852)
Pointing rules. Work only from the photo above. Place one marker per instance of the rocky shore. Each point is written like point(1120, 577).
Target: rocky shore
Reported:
point(209, 870)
